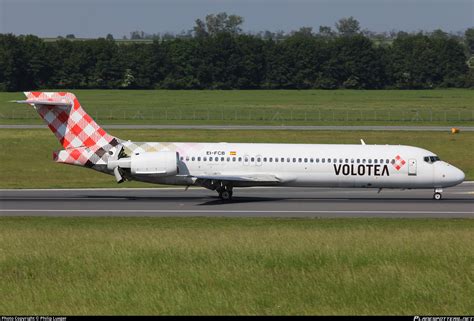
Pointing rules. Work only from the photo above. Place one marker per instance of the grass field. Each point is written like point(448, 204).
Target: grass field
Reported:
point(26, 160)
point(57, 266)
point(447, 107)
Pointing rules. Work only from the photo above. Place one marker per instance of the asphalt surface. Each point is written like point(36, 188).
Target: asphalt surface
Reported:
point(238, 127)
point(457, 202)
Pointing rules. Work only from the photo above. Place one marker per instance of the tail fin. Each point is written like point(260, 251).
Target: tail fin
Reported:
point(66, 118)
point(84, 141)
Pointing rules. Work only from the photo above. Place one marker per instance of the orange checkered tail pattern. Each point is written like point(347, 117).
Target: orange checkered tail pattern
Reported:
point(85, 143)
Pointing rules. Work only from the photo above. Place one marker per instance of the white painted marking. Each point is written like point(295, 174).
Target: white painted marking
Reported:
point(95, 189)
point(230, 211)
point(79, 198)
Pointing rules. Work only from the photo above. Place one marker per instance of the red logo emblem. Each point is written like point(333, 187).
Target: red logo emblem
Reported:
point(398, 162)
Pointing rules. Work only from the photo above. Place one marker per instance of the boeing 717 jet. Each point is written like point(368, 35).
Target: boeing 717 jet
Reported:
point(224, 166)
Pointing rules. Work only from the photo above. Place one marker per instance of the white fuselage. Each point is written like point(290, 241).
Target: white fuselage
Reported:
point(223, 166)
point(317, 165)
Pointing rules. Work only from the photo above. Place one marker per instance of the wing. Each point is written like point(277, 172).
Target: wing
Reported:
point(239, 180)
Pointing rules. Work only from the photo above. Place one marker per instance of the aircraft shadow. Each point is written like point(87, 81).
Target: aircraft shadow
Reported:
point(242, 200)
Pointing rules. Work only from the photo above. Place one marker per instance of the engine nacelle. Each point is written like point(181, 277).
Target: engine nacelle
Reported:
point(154, 163)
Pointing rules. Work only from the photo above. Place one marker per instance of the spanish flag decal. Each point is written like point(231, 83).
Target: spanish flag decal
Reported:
point(233, 153)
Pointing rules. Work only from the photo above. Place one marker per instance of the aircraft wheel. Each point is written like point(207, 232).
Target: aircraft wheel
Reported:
point(225, 195)
point(437, 196)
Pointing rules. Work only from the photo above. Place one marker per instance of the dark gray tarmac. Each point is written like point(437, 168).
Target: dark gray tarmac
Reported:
point(457, 202)
point(282, 127)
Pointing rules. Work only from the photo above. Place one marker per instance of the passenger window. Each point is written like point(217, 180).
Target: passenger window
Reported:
point(347, 160)
point(305, 160)
point(329, 160)
point(182, 158)
point(317, 160)
point(193, 158)
point(259, 159)
point(240, 159)
point(358, 160)
point(222, 159)
point(210, 159)
point(199, 158)
point(335, 160)
point(375, 161)
point(233, 159)
point(288, 160)
point(299, 160)
point(352, 160)
point(270, 159)
point(252, 159)
point(228, 159)
point(381, 161)
point(187, 158)
point(392, 161)
point(246, 159)
point(311, 160)
point(205, 159)
point(370, 161)
point(323, 160)
point(363, 160)
point(276, 159)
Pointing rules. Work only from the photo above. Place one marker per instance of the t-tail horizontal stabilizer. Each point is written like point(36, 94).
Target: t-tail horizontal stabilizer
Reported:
point(44, 102)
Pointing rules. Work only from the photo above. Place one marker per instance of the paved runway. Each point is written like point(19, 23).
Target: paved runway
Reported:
point(243, 127)
point(457, 202)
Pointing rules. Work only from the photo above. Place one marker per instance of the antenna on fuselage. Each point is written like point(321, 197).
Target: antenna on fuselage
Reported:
point(362, 141)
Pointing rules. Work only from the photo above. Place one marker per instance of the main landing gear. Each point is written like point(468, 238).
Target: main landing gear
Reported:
point(437, 194)
point(225, 192)
point(223, 188)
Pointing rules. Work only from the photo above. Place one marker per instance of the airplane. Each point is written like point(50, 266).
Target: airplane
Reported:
point(222, 166)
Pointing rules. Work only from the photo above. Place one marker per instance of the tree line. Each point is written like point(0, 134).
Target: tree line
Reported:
point(219, 56)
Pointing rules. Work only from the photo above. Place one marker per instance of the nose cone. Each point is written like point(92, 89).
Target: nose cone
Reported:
point(448, 175)
point(457, 176)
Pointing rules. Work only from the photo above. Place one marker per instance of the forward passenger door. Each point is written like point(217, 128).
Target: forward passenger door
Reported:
point(412, 167)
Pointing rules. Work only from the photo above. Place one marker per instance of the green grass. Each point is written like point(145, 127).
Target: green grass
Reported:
point(447, 107)
point(26, 158)
point(62, 266)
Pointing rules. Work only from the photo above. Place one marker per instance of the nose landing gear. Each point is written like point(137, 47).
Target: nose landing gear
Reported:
point(437, 194)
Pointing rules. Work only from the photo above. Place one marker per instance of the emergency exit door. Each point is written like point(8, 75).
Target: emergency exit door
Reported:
point(412, 167)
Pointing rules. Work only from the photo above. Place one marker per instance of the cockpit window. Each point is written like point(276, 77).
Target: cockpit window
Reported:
point(431, 159)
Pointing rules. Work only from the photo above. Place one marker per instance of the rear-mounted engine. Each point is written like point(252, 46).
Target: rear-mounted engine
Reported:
point(154, 163)
point(148, 163)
